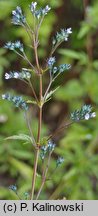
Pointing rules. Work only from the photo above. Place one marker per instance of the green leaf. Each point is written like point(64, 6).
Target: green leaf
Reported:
point(70, 53)
point(21, 167)
point(80, 56)
point(83, 31)
point(51, 93)
point(23, 137)
point(71, 90)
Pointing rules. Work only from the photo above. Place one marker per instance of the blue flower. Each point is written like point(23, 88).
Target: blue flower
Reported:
point(59, 161)
point(13, 188)
point(46, 149)
point(18, 17)
point(26, 194)
point(9, 45)
point(64, 67)
point(85, 113)
point(46, 10)
point(16, 45)
point(17, 100)
point(33, 7)
point(51, 146)
point(51, 61)
point(61, 36)
point(39, 13)
point(18, 75)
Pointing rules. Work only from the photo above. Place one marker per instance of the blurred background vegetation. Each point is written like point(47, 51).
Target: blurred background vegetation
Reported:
point(78, 176)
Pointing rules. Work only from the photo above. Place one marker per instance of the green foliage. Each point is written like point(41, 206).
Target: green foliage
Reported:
point(72, 90)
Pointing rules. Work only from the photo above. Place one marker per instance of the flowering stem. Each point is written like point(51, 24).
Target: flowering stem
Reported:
point(26, 58)
point(47, 90)
point(19, 54)
point(38, 140)
point(40, 111)
point(59, 130)
point(44, 176)
point(36, 55)
point(34, 173)
point(28, 32)
point(37, 31)
point(18, 196)
point(34, 93)
point(53, 50)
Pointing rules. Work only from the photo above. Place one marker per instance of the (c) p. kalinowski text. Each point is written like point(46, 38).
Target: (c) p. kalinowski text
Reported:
point(58, 207)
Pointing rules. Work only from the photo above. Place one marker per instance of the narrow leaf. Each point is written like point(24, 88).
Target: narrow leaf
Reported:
point(23, 137)
point(51, 93)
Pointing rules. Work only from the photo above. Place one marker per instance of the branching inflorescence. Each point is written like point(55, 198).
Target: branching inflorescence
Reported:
point(44, 150)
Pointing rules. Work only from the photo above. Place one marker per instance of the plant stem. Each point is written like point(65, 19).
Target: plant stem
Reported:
point(38, 141)
point(34, 173)
point(28, 32)
point(47, 90)
point(44, 177)
point(36, 55)
point(18, 196)
point(34, 93)
point(55, 47)
point(26, 58)
point(59, 130)
point(40, 111)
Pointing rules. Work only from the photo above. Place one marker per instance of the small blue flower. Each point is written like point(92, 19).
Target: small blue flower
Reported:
point(18, 17)
point(64, 67)
point(26, 194)
point(13, 188)
point(69, 31)
point(51, 146)
point(46, 10)
point(16, 45)
point(61, 36)
point(33, 7)
point(19, 45)
point(6, 97)
point(39, 13)
point(59, 161)
point(85, 113)
point(17, 100)
point(43, 152)
point(18, 75)
point(9, 45)
point(55, 69)
point(51, 61)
